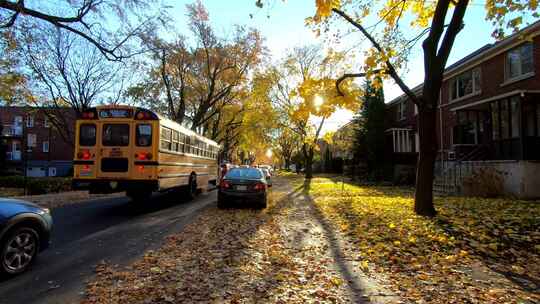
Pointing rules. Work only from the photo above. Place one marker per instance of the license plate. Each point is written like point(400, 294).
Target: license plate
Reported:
point(115, 153)
point(241, 188)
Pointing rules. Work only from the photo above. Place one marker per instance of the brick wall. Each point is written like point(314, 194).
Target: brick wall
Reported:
point(492, 81)
point(59, 149)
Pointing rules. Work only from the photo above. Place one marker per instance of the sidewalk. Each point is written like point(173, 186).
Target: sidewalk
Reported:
point(284, 254)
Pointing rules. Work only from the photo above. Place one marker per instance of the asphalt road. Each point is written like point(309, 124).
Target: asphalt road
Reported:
point(112, 230)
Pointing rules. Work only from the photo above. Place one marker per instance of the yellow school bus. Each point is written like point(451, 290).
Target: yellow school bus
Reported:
point(124, 148)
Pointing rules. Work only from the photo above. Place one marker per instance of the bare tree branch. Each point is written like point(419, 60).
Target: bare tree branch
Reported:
point(389, 66)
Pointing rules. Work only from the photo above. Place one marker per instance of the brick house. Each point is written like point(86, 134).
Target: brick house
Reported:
point(488, 117)
point(27, 134)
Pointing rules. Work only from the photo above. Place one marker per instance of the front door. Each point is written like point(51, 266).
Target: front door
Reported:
point(114, 149)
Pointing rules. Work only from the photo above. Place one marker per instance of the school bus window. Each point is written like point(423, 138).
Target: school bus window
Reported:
point(175, 141)
point(181, 140)
point(144, 135)
point(115, 135)
point(87, 135)
point(165, 139)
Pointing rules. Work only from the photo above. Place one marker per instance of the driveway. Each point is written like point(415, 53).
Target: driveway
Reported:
point(85, 234)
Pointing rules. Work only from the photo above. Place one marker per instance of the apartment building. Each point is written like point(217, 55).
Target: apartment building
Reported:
point(34, 143)
point(488, 117)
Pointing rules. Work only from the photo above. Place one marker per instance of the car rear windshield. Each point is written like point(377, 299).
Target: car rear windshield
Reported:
point(244, 173)
point(87, 135)
point(115, 135)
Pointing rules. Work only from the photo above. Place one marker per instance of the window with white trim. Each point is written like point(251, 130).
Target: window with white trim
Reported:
point(46, 122)
point(401, 110)
point(31, 140)
point(45, 146)
point(519, 61)
point(465, 84)
point(30, 121)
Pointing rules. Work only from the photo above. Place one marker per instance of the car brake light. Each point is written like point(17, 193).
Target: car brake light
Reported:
point(260, 187)
point(225, 184)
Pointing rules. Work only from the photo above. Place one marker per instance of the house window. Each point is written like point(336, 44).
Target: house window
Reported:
point(530, 112)
point(401, 110)
point(465, 132)
point(45, 146)
point(17, 120)
point(30, 121)
point(495, 120)
point(31, 140)
point(514, 116)
point(465, 84)
point(46, 122)
point(505, 119)
point(519, 61)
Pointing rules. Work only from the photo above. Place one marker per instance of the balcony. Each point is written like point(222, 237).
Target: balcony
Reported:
point(12, 131)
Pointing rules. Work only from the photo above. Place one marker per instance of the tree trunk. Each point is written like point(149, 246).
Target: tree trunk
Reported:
point(287, 163)
point(308, 155)
point(423, 199)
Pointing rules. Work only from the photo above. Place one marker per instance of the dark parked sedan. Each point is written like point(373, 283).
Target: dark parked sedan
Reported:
point(246, 185)
point(24, 231)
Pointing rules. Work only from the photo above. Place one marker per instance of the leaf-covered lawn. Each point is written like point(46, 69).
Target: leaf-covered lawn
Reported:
point(475, 251)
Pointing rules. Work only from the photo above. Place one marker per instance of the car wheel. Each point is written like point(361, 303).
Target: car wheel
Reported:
point(262, 204)
point(19, 250)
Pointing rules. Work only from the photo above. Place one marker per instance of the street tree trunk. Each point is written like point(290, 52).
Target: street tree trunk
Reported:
point(308, 155)
point(423, 200)
point(287, 163)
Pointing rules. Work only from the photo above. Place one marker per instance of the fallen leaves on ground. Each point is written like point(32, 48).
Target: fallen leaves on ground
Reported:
point(475, 251)
point(223, 256)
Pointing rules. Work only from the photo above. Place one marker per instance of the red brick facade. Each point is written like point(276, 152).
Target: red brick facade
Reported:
point(23, 127)
point(491, 61)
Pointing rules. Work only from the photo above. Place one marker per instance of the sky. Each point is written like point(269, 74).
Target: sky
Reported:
point(282, 25)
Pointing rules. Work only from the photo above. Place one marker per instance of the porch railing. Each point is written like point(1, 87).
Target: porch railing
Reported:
point(449, 175)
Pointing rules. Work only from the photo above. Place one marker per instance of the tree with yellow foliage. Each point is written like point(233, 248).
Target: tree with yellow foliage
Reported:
point(439, 23)
point(305, 89)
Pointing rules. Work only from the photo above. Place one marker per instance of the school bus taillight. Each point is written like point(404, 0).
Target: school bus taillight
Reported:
point(145, 115)
point(83, 154)
point(89, 114)
point(143, 156)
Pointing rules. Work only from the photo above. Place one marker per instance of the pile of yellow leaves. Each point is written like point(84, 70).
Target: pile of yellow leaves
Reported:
point(474, 251)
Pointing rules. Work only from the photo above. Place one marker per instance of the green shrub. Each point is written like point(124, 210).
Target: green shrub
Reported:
point(37, 185)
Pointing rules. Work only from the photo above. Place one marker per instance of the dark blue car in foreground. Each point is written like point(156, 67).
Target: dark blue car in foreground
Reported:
point(25, 230)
